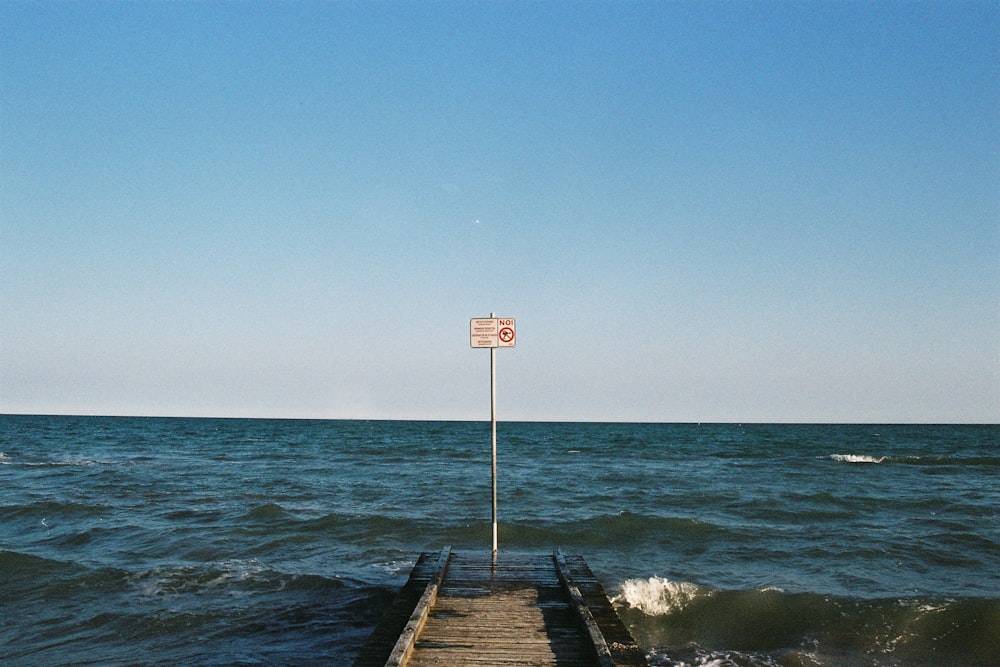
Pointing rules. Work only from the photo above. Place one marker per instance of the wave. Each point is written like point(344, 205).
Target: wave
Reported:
point(268, 513)
point(986, 461)
point(14, 563)
point(233, 577)
point(236, 611)
point(33, 580)
point(50, 508)
point(634, 527)
point(658, 596)
point(857, 458)
point(285, 529)
point(768, 624)
point(27, 577)
point(72, 462)
point(621, 530)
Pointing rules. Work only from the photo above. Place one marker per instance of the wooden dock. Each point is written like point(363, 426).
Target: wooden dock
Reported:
point(522, 609)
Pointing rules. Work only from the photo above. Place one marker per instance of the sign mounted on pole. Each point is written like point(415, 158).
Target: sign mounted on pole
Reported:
point(493, 332)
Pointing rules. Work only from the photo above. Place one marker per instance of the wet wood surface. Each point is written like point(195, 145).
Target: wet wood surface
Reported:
point(521, 609)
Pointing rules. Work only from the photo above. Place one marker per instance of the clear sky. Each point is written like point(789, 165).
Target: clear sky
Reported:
point(697, 211)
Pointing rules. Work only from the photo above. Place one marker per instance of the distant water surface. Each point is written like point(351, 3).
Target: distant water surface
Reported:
point(153, 541)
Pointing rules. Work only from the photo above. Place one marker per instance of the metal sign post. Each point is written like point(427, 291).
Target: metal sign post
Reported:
point(493, 439)
point(493, 332)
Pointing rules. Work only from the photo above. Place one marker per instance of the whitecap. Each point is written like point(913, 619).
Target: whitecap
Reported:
point(69, 462)
point(657, 596)
point(857, 458)
point(190, 579)
point(396, 567)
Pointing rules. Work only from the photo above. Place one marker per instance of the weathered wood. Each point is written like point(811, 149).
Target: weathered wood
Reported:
point(517, 609)
point(382, 640)
point(583, 613)
point(624, 650)
point(404, 645)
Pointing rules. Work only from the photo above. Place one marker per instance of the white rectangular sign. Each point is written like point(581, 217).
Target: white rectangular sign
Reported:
point(492, 332)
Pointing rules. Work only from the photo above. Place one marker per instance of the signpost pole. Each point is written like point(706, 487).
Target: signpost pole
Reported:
point(493, 333)
point(493, 437)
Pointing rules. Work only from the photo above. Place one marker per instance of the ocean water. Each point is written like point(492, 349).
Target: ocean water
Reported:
point(154, 541)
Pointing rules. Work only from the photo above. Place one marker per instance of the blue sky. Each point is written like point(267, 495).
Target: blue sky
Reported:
point(697, 211)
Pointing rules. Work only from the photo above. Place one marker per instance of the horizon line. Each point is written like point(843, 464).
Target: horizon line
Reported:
point(502, 421)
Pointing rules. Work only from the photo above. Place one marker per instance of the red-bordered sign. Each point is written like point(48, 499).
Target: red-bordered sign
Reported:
point(493, 332)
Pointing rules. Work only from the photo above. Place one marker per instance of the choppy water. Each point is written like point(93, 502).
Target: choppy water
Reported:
point(266, 542)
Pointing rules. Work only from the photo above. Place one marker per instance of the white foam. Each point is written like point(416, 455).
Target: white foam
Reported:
point(4, 459)
point(195, 579)
point(395, 567)
point(69, 462)
point(657, 596)
point(924, 607)
point(857, 458)
point(701, 658)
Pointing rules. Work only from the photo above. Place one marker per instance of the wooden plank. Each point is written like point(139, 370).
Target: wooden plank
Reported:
point(515, 609)
point(583, 612)
point(489, 613)
point(624, 651)
point(383, 638)
point(404, 645)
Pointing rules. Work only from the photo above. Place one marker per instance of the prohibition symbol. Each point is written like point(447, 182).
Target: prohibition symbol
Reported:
point(492, 332)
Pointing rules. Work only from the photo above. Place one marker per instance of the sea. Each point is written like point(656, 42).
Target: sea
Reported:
point(172, 541)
